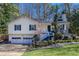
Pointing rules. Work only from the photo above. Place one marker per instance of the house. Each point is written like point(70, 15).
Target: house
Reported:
point(63, 25)
point(22, 29)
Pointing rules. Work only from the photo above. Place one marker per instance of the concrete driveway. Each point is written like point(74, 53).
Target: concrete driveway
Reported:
point(12, 49)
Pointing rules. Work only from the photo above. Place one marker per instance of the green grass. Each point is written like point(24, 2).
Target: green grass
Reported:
point(67, 50)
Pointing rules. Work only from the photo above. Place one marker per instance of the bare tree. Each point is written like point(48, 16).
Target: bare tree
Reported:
point(67, 7)
point(38, 10)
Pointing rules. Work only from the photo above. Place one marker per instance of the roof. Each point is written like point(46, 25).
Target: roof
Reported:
point(40, 21)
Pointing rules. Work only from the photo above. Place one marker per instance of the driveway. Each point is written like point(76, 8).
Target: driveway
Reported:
point(12, 49)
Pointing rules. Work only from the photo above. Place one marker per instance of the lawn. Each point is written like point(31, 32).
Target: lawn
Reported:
point(67, 50)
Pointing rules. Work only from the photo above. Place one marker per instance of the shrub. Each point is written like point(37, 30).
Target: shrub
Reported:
point(66, 38)
point(73, 37)
point(49, 42)
point(3, 37)
point(59, 36)
point(43, 43)
point(36, 38)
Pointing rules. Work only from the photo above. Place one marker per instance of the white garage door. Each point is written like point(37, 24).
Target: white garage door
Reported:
point(21, 40)
point(27, 40)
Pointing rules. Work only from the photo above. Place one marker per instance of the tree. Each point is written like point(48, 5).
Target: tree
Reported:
point(67, 8)
point(7, 12)
point(41, 11)
point(55, 23)
point(74, 25)
point(54, 11)
point(48, 9)
point(73, 17)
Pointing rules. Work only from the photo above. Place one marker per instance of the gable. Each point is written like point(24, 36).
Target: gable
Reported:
point(22, 20)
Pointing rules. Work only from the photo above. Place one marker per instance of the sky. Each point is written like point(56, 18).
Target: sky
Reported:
point(24, 6)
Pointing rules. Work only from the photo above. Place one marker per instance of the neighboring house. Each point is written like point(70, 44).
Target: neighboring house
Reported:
point(22, 29)
point(63, 25)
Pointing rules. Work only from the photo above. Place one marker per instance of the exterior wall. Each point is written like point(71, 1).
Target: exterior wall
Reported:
point(43, 27)
point(25, 22)
point(64, 17)
point(66, 26)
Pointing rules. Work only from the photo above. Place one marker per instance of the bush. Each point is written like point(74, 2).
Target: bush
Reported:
point(59, 36)
point(60, 41)
point(49, 42)
point(43, 43)
point(3, 37)
point(65, 38)
point(36, 37)
point(73, 37)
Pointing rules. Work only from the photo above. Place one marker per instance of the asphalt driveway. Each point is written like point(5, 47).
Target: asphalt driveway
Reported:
point(12, 49)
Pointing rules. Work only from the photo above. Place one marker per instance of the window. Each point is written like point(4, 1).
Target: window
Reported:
point(17, 27)
point(62, 28)
point(32, 27)
point(16, 37)
point(60, 19)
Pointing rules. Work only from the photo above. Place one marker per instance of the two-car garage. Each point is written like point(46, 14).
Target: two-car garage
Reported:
point(19, 39)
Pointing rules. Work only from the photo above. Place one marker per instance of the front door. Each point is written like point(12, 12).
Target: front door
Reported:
point(49, 28)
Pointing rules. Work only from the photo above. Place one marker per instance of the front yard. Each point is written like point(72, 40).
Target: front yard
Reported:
point(16, 50)
point(67, 50)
